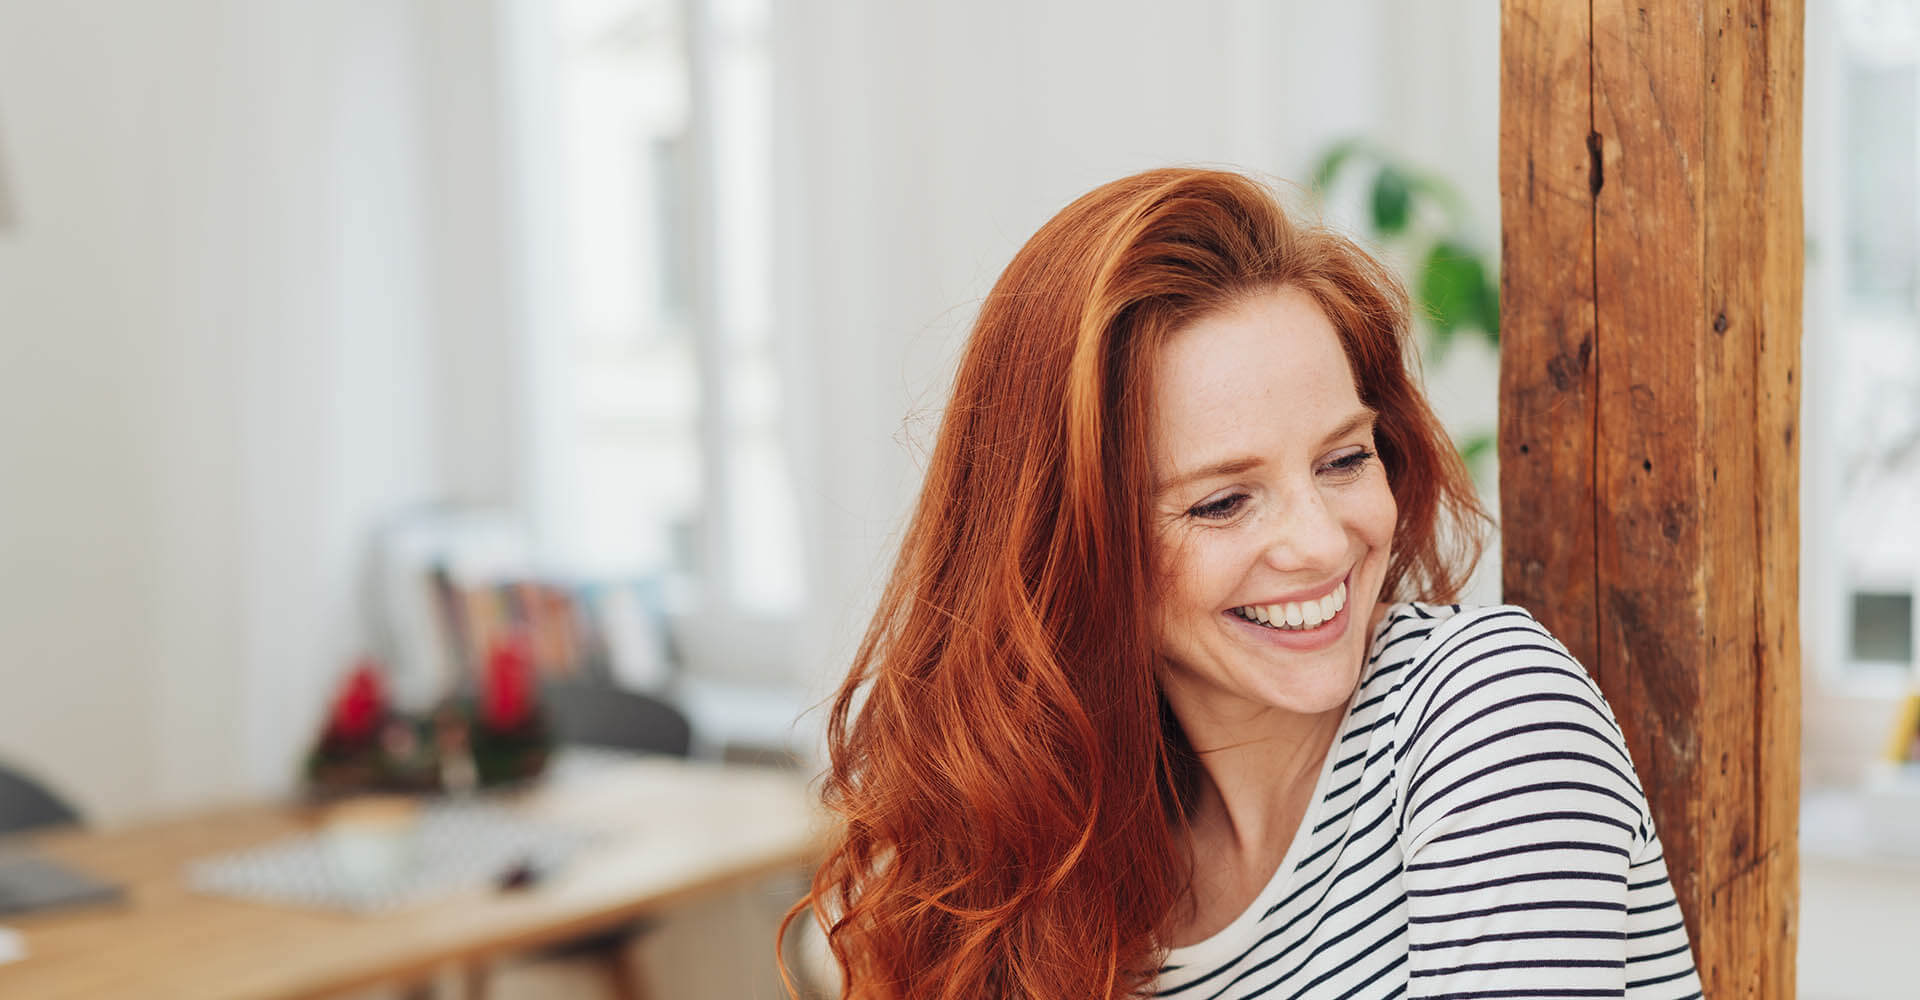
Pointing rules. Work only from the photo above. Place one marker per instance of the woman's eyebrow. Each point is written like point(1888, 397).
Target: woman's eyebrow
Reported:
point(1363, 418)
point(1235, 466)
point(1229, 467)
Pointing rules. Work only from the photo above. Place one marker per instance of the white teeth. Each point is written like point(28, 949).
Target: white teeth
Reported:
point(1294, 615)
point(1332, 603)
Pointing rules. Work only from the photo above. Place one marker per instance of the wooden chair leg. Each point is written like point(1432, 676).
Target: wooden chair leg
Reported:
point(475, 979)
point(627, 973)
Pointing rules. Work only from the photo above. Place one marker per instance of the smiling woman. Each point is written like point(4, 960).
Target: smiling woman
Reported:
point(1148, 706)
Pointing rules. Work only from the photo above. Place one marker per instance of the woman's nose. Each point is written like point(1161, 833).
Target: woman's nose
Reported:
point(1305, 535)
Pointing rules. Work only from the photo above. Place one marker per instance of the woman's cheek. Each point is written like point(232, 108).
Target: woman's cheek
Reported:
point(1377, 514)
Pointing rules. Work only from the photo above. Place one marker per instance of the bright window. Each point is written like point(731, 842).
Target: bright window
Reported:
point(1873, 333)
point(660, 433)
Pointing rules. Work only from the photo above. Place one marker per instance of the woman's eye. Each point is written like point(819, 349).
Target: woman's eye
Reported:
point(1349, 465)
point(1215, 510)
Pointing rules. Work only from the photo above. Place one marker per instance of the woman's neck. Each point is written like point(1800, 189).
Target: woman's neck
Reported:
point(1256, 780)
point(1252, 797)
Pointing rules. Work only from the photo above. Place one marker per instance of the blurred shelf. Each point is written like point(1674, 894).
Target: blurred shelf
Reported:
point(1878, 822)
point(747, 723)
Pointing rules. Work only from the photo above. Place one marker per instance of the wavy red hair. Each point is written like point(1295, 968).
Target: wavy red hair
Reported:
point(1010, 788)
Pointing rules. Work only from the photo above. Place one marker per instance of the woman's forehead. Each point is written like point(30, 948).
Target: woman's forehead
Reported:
point(1267, 374)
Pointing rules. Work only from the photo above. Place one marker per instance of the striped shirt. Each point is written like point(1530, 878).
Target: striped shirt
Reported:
point(1477, 831)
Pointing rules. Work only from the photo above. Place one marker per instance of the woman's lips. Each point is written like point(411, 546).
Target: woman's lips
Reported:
point(1302, 637)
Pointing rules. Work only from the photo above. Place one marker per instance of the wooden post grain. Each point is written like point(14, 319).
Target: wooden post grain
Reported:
point(1650, 195)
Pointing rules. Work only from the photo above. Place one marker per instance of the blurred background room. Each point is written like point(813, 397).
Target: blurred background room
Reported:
point(602, 341)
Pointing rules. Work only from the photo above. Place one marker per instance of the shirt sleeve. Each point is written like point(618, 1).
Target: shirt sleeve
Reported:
point(1532, 868)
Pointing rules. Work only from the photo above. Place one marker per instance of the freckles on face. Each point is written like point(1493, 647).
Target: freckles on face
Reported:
point(1273, 516)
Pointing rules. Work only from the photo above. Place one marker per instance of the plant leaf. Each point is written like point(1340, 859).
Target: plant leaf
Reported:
point(1476, 447)
point(1451, 290)
point(1489, 313)
point(1392, 200)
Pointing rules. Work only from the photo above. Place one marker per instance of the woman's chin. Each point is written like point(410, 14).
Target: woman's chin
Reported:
point(1315, 692)
point(1305, 686)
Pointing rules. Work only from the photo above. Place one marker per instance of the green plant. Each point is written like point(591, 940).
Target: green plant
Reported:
point(1424, 220)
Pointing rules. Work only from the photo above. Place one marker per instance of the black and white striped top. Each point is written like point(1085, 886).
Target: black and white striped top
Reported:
point(1477, 831)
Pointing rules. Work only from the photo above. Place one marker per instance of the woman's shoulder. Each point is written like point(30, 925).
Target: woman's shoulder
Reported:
point(1417, 638)
point(1487, 682)
point(1429, 635)
point(1479, 667)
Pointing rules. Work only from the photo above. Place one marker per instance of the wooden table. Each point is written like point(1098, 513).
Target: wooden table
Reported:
point(678, 829)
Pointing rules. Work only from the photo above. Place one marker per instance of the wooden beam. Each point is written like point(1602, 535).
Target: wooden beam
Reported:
point(1649, 468)
point(1547, 183)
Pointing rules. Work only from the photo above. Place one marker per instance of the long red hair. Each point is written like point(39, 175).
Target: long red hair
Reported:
point(1010, 788)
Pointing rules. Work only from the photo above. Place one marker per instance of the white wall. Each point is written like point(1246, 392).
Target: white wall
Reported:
point(271, 259)
point(223, 357)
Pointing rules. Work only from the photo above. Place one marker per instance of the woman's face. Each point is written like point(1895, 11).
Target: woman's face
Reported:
point(1273, 518)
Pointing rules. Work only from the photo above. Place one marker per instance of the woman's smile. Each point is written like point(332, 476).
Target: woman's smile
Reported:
point(1293, 613)
point(1313, 623)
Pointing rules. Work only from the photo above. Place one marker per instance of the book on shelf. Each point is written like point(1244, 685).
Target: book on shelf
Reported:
point(1903, 743)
